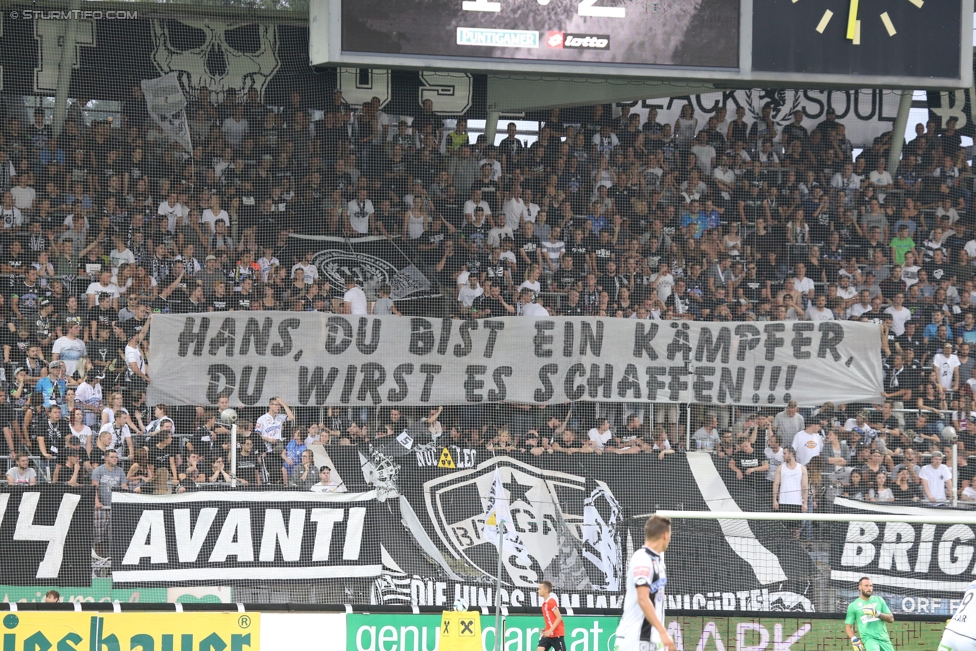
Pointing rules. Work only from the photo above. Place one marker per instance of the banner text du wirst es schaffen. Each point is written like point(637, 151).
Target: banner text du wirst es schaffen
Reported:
point(318, 359)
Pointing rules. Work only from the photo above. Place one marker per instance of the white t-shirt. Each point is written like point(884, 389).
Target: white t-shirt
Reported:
point(466, 295)
point(813, 314)
point(118, 258)
point(963, 621)
point(83, 434)
point(311, 273)
point(91, 396)
point(945, 367)
point(359, 214)
point(807, 446)
point(536, 310)
point(210, 218)
point(69, 352)
point(935, 478)
point(270, 427)
point(356, 298)
point(469, 207)
point(646, 569)
point(118, 436)
point(898, 319)
point(515, 212)
point(173, 214)
point(599, 440)
point(94, 289)
point(14, 476)
point(135, 355)
point(803, 286)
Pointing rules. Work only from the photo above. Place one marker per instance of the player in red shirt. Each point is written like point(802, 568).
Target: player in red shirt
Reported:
point(554, 634)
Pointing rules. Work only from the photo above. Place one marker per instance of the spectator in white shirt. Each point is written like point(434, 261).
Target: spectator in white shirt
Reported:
point(819, 310)
point(172, 211)
point(468, 293)
point(235, 128)
point(359, 214)
point(354, 300)
point(600, 435)
point(802, 283)
point(24, 193)
point(899, 314)
point(214, 213)
point(946, 365)
point(515, 210)
point(936, 480)
point(311, 273)
point(808, 443)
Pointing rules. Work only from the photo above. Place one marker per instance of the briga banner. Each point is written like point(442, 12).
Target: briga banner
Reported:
point(131, 631)
point(243, 536)
point(46, 535)
point(318, 359)
point(936, 559)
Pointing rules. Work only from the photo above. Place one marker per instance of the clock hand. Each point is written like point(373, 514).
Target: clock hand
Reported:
point(852, 21)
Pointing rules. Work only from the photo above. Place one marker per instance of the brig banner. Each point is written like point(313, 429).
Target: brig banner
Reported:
point(131, 631)
point(318, 359)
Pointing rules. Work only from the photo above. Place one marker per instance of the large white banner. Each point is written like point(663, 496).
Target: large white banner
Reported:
point(866, 113)
point(328, 359)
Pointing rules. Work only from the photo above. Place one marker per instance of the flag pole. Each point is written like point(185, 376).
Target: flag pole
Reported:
point(498, 588)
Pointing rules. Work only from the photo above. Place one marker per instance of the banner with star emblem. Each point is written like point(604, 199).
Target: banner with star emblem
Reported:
point(577, 519)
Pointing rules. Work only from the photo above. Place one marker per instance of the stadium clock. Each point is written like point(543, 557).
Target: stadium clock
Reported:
point(892, 38)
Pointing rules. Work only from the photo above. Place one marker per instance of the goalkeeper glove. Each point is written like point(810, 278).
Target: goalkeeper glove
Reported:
point(857, 644)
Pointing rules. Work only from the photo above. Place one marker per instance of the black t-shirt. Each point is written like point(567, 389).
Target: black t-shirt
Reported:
point(937, 272)
point(247, 468)
point(495, 271)
point(105, 351)
point(242, 302)
point(102, 317)
point(132, 327)
point(579, 251)
point(204, 443)
point(221, 303)
point(495, 305)
point(62, 458)
point(565, 279)
point(603, 252)
point(161, 455)
point(53, 433)
point(528, 244)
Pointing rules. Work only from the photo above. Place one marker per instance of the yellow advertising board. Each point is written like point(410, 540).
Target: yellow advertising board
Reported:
point(36, 631)
point(460, 631)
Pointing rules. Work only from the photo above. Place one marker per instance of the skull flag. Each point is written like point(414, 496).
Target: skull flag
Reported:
point(166, 104)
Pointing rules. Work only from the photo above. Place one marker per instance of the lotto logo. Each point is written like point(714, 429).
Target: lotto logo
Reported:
point(562, 40)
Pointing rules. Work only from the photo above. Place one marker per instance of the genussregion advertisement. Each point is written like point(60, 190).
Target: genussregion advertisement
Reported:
point(379, 632)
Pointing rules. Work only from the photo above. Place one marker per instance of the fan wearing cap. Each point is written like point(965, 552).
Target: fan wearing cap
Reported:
point(53, 386)
point(43, 330)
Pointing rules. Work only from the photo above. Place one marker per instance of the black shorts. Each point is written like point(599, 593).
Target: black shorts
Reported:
point(554, 643)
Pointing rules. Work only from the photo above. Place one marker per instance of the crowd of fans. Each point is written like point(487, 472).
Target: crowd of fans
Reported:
point(711, 218)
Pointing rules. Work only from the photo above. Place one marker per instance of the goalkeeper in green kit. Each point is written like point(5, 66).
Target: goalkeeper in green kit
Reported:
point(867, 619)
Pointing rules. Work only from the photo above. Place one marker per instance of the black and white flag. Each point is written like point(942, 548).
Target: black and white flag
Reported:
point(166, 103)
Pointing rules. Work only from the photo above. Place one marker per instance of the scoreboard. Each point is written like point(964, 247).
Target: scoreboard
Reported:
point(887, 43)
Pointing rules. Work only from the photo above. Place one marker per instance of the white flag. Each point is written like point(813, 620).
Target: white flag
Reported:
point(498, 512)
point(166, 103)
